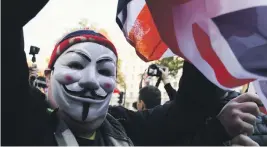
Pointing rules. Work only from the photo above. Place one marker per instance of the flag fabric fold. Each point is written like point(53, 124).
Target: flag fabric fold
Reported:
point(226, 40)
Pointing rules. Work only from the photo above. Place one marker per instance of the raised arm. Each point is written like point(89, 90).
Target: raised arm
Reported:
point(167, 85)
point(176, 122)
point(15, 90)
point(192, 118)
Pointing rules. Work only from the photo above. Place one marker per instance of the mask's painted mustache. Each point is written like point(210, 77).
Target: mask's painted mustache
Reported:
point(75, 87)
point(82, 93)
point(85, 111)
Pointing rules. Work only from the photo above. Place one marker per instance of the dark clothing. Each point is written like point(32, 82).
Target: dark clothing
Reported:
point(137, 124)
point(110, 133)
point(260, 133)
point(188, 119)
point(35, 92)
point(170, 91)
point(15, 97)
point(146, 128)
point(24, 118)
point(150, 127)
point(26, 122)
point(207, 132)
point(260, 128)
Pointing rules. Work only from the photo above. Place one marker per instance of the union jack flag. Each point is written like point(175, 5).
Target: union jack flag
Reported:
point(225, 39)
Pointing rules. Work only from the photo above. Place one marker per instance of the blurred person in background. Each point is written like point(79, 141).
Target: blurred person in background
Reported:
point(40, 83)
point(81, 83)
point(149, 97)
point(33, 71)
point(26, 121)
point(204, 110)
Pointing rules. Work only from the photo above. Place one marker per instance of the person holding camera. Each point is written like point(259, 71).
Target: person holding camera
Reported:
point(27, 122)
point(167, 85)
point(74, 122)
point(149, 97)
point(209, 111)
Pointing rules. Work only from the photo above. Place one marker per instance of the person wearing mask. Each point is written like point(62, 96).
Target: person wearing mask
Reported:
point(83, 75)
point(82, 79)
point(30, 124)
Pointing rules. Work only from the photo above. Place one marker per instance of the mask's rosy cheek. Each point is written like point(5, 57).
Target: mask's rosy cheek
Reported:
point(107, 85)
point(66, 78)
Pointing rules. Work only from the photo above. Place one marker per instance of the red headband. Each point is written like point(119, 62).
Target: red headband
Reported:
point(63, 45)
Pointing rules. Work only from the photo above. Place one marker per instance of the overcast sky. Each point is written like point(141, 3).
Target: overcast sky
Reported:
point(60, 15)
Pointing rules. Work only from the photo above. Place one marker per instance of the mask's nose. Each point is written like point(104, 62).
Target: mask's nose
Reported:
point(89, 79)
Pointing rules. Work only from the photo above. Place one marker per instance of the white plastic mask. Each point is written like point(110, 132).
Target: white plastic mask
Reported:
point(83, 81)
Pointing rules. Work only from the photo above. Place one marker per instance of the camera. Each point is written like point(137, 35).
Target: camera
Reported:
point(40, 82)
point(153, 70)
point(33, 51)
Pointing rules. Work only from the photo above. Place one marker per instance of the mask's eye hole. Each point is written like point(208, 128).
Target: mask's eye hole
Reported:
point(105, 72)
point(75, 65)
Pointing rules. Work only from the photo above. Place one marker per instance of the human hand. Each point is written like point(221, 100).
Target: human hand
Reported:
point(239, 115)
point(243, 140)
point(165, 75)
point(33, 70)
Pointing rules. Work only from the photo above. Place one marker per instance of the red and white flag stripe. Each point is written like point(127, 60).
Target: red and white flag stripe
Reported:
point(186, 28)
point(201, 42)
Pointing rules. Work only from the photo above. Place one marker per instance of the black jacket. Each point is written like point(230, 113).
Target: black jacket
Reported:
point(110, 133)
point(182, 121)
point(26, 122)
point(260, 133)
point(15, 96)
point(170, 91)
point(260, 128)
point(160, 127)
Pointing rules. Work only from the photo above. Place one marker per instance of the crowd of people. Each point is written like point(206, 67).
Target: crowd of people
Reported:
point(80, 79)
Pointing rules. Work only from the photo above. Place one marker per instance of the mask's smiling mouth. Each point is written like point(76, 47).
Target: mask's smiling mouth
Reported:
point(86, 94)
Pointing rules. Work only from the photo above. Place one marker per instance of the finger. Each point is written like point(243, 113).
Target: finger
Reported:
point(248, 118)
point(167, 70)
point(249, 107)
point(161, 70)
point(243, 140)
point(246, 128)
point(164, 71)
point(248, 97)
point(163, 74)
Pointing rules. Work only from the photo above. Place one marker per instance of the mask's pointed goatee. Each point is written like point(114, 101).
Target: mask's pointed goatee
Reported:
point(85, 111)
